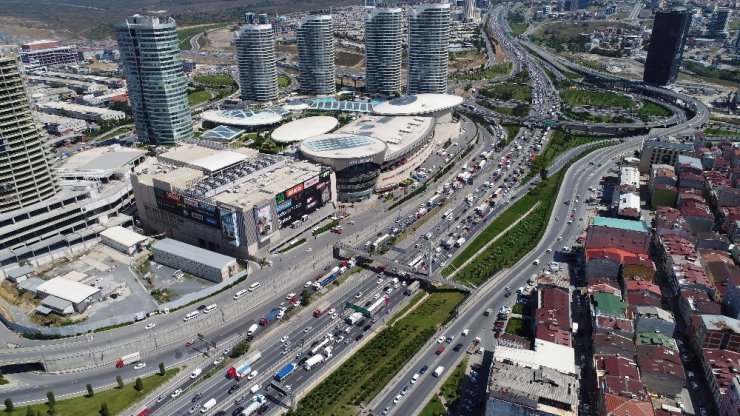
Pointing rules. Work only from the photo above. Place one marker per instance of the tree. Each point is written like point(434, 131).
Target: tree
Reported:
point(52, 410)
point(104, 410)
point(90, 392)
point(50, 398)
point(119, 380)
point(240, 349)
point(139, 386)
point(543, 173)
point(161, 369)
point(30, 412)
point(9, 405)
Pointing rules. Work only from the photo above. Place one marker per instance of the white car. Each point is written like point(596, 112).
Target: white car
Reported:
point(465, 332)
point(379, 281)
point(332, 311)
point(377, 295)
point(255, 388)
point(333, 316)
point(252, 375)
point(358, 295)
point(549, 250)
point(397, 399)
point(307, 284)
point(139, 366)
point(196, 373)
point(283, 339)
point(218, 360)
point(150, 326)
point(289, 296)
point(414, 378)
point(176, 393)
point(441, 339)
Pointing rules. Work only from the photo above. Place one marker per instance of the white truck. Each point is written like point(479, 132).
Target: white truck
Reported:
point(315, 359)
point(354, 318)
point(252, 329)
point(253, 406)
point(326, 341)
point(128, 359)
point(208, 405)
point(438, 371)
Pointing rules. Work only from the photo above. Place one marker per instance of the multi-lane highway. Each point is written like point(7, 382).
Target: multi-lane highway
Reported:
point(582, 175)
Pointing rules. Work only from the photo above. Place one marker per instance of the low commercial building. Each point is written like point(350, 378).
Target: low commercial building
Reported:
point(545, 354)
point(662, 151)
point(123, 239)
point(83, 112)
point(47, 52)
point(516, 390)
point(61, 125)
point(20, 274)
point(65, 296)
point(628, 235)
point(194, 260)
point(717, 332)
point(236, 202)
point(94, 194)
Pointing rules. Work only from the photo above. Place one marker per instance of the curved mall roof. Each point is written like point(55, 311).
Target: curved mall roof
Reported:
point(342, 146)
point(417, 104)
point(242, 118)
point(303, 128)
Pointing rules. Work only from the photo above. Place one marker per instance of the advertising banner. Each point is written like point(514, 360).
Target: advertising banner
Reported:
point(303, 199)
point(230, 228)
point(187, 207)
point(264, 222)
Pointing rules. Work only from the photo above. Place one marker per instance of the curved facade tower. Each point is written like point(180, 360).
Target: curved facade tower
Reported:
point(383, 50)
point(429, 39)
point(315, 35)
point(25, 169)
point(150, 54)
point(255, 54)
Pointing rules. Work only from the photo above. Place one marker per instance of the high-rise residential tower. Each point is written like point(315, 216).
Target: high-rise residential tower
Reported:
point(25, 169)
point(428, 48)
point(666, 47)
point(383, 50)
point(315, 35)
point(255, 55)
point(150, 54)
point(469, 10)
point(718, 24)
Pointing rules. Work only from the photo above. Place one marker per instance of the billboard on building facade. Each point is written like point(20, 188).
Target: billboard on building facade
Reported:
point(187, 207)
point(230, 227)
point(303, 199)
point(264, 222)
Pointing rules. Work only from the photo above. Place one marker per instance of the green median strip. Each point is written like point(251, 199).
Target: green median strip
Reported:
point(368, 370)
point(450, 392)
point(116, 400)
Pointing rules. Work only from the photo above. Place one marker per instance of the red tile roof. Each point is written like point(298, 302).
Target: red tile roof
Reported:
point(668, 368)
point(610, 322)
point(614, 365)
point(624, 386)
point(658, 352)
point(725, 365)
point(638, 285)
point(554, 334)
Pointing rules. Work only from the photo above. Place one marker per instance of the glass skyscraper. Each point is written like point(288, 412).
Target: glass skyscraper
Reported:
point(150, 54)
point(25, 168)
point(315, 35)
point(383, 50)
point(666, 47)
point(255, 55)
point(428, 48)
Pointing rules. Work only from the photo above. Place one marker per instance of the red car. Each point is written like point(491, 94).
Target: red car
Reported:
point(189, 343)
point(497, 334)
point(440, 350)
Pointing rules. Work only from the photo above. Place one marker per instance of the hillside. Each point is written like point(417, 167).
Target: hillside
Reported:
point(93, 19)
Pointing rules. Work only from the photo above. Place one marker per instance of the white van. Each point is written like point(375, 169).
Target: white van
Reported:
point(210, 308)
point(208, 406)
point(239, 294)
point(254, 286)
point(252, 330)
point(191, 315)
point(255, 388)
point(438, 371)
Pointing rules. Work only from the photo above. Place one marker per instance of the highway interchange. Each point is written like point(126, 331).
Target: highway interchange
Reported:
point(580, 177)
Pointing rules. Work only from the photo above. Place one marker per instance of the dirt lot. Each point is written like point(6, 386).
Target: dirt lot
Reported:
point(219, 40)
point(19, 29)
